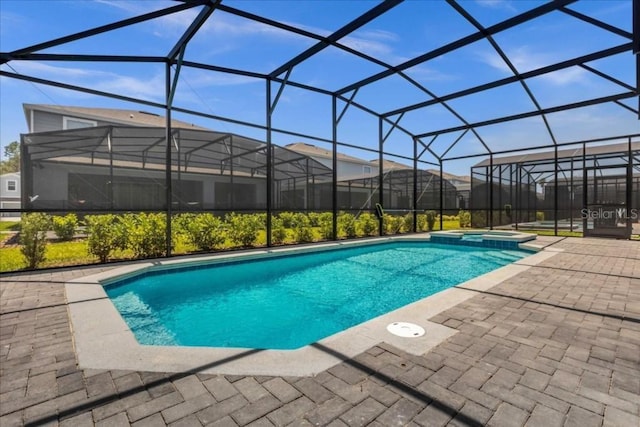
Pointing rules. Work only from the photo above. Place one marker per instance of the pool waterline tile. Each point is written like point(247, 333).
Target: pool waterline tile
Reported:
point(103, 340)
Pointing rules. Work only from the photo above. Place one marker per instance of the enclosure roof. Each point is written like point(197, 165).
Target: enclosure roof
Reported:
point(593, 150)
point(450, 176)
point(193, 151)
point(458, 78)
point(390, 164)
point(315, 151)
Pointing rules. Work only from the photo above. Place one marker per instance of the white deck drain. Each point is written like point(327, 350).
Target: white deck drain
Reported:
point(406, 330)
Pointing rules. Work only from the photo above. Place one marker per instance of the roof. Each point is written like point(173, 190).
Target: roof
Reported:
point(112, 115)
point(315, 151)
point(202, 151)
point(451, 176)
point(391, 165)
point(562, 154)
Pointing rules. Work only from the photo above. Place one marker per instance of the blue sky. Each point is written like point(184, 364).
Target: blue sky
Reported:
point(410, 29)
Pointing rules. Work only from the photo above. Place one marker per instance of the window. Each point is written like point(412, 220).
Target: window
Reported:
point(11, 185)
point(366, 170)
point(75, 123)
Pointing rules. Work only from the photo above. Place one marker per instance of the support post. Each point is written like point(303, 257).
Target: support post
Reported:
point(269, 173)
point(490, 216)
point(555, 190)
point(334, 166)
point(518, 204)
point(629, 192)
point(441, 196)
point(380, 175)
point(571, 195)
point(169, 190)
point(636, 44)
point(585, 191)
point(415, 186)
point(110, 147)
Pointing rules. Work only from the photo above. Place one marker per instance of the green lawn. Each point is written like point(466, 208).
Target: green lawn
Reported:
point(9, 225)
point(57, 254)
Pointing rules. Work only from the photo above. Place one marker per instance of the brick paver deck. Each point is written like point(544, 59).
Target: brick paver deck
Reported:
point(558, 344)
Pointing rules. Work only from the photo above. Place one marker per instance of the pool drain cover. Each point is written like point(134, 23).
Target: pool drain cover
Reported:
point(406, 330)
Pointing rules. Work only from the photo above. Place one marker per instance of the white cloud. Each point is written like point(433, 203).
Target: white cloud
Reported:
point(206, 78)
point(107, 81)
point(524, 59)
point(423, 73)
point(142, 86)
point(136, 8)
point(367, 46)
point(40, 68)
point(226, 32)
point(497, 4)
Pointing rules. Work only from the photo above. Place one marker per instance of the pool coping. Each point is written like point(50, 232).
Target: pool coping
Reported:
point(102, 339)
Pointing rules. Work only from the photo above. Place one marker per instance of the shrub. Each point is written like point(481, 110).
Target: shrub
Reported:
point(368, 223)
point(278, 231)
point(288, 219)
point(261, 217)
point(407, 222)
point(243, 229)
point(539, 216)
point(315, 218)
point(302, 228)
point(479, 219)
point(204, 231)
point(105, 235)
point(392, 224)
point(33, 237)
point(146, 234)
point(347, 225)
point(422, 222)
point(325, 222)
point(65, 226)
point(180, 223)
point(431, 219)
point(464, 218)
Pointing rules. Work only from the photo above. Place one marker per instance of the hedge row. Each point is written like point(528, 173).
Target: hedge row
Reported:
point(144, 234)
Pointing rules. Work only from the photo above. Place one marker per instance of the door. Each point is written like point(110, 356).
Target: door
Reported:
point(606, 211)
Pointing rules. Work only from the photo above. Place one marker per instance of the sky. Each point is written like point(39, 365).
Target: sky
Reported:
point(406, 31)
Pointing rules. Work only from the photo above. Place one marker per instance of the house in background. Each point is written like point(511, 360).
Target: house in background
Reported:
point(10, 193)
point(101, 159)
point(348, 167)
point(114, 160)
point(45, 118)
point(358, 181)
point(463, 187)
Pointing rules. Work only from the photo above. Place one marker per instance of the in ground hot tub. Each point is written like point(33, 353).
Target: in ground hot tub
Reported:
point(500, 239)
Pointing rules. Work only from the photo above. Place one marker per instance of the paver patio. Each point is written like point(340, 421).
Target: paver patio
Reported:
point(558, 344)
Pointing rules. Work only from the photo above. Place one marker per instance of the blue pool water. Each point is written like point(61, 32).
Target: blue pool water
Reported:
point(287, 302)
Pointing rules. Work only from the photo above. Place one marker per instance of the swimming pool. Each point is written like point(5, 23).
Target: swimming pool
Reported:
point(287, 302)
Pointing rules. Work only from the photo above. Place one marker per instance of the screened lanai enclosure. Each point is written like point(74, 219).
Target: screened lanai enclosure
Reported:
point(121, 168)
point(582, 190)
point(310, 114)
